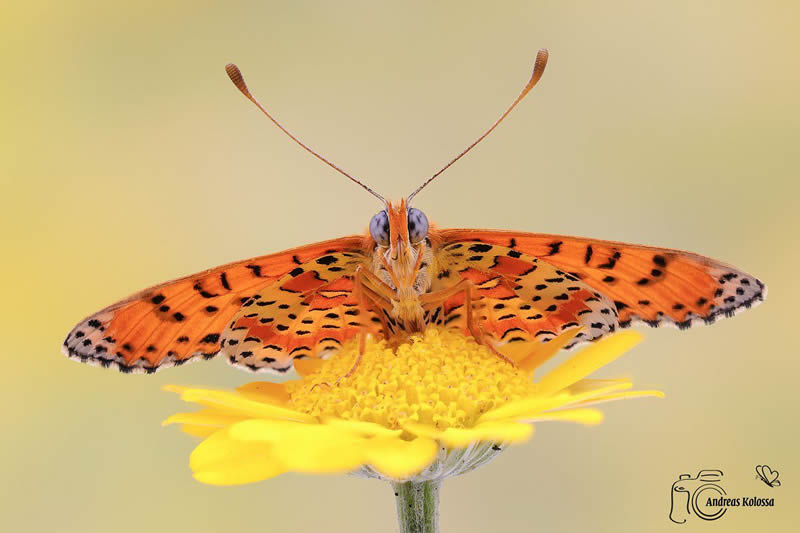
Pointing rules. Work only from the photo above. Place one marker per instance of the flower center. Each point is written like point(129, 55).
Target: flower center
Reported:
point(438, 377)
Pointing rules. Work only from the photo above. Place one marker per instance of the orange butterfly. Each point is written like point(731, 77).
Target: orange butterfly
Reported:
point(505, 288)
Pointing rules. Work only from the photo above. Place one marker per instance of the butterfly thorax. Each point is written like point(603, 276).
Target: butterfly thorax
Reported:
point(406, 269)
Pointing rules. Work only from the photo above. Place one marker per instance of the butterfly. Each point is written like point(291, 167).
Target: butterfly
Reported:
point(507, 289)
point(768, 475)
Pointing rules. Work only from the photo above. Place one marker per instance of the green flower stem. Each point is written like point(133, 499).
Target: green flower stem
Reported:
point(417, 506)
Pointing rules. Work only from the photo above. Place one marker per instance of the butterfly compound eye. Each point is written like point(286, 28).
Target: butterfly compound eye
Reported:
point(379, 228)
point(417, 225)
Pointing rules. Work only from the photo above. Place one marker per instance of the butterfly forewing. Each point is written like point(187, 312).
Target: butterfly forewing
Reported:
point(183, 319)
point(649, 285)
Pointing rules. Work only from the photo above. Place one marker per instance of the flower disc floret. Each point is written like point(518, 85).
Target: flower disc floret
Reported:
point(440, 378)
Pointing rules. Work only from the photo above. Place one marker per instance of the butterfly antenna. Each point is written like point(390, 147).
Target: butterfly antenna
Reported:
point(238, 80)
point(538, 70)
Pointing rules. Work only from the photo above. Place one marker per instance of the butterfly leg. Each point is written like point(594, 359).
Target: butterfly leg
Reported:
point(375, 284)
point(366, 295)
point(370, 289)
point(361, 349)
point(436, 299)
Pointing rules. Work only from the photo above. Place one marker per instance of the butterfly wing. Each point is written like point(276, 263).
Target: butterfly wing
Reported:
point(308, 312)
point(649, 285)
point(520, 297)
point(182, 320)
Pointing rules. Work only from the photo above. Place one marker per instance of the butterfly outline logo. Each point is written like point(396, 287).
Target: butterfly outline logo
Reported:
point(768, 476)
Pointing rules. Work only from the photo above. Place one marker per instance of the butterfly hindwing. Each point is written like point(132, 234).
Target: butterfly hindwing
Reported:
point(182, 320)
point(653, 286)
point(308, 312)
point(520, 298)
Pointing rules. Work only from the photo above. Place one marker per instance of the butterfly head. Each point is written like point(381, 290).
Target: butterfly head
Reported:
point(398, 228)
point(402, 253)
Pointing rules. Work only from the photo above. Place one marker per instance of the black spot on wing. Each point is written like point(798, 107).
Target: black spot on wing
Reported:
point(480, 248)
point(555, 247)
point(255, 269)
point(204, 293)
point(211, 338)
point(612, 261)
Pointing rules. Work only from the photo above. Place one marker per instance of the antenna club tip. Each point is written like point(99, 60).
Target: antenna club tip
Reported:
point(233, 70)
point(541, 60)
point(236, 77)
point(538, 67)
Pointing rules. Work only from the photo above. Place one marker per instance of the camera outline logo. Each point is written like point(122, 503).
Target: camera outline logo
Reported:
point(686, 493)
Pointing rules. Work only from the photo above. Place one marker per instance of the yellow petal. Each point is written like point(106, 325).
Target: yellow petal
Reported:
point(206, 417)
point(622, 396)
point(586, 385)
point(237, 405)
point(307, 366)
point(587, 361)
point(589, 417)
point(400, 459)
point(266, 392)
point(529, 409)
point(502, 431)
point(542, 352)
point(340, 455)
point(271, 430)
point(310, 448)
point(599, 390)
point(513, 432)
point(525, 407)
point(368, 429)
point(220, 460)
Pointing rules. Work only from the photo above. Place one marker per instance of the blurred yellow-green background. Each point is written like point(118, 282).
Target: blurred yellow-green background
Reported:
point(127, 158)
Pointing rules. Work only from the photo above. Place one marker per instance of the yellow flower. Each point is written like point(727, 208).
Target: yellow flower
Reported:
point(436, 406)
